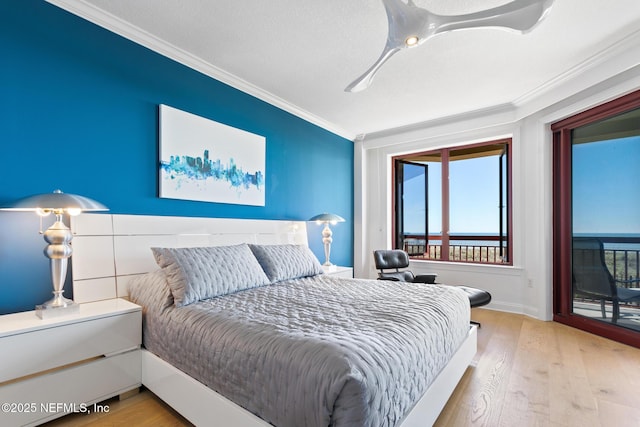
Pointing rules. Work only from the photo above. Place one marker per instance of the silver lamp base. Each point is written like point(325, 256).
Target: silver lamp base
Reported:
point(56, 307)
point(58, 251)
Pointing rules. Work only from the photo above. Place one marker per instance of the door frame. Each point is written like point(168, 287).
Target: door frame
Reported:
point(562, 220)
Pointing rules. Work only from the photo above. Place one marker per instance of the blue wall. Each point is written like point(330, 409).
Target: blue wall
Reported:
point(79, 112)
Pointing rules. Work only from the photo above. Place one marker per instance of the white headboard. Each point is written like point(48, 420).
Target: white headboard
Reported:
point(108, 250)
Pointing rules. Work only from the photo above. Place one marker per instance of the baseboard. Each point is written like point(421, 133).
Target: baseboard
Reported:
point(508, 307)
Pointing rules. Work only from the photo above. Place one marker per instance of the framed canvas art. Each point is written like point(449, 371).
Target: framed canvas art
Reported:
point(204, 160)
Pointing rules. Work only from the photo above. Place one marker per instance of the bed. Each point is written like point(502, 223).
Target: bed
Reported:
point(291, 347)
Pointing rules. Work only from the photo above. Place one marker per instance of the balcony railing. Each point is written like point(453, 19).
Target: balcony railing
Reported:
point(463, 248)
point(622, 257)
point(621, 253)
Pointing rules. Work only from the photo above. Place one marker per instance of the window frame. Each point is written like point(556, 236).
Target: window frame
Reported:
point(444, 157)
point(399, 204)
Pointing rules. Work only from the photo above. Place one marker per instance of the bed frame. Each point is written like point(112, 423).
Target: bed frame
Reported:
point(109, 250)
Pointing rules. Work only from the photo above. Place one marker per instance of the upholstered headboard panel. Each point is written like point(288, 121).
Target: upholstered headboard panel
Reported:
point(108, 250)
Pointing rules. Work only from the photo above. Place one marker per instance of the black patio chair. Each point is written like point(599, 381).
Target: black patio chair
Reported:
point(592, 278)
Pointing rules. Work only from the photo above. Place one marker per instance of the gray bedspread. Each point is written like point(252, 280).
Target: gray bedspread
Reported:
point(319, 351)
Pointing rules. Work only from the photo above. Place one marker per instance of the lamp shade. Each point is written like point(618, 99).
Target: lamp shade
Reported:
point(327, 217)
point(56, 201)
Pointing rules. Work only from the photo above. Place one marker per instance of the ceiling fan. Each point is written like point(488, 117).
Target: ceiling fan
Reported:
point(410, 26)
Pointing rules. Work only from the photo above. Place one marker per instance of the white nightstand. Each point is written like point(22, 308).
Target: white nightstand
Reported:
point(56, 366)
point(336, 270)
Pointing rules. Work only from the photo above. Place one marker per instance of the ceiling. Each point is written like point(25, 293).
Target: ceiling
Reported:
point(300, 54)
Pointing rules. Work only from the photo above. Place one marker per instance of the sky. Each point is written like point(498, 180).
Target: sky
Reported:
point(606, 186)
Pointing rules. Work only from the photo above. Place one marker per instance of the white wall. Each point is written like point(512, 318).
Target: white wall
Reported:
point(525, 287)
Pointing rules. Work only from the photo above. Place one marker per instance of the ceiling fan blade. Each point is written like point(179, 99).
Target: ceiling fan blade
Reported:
point(404, 19)
point(363, 82)
point(519, 15)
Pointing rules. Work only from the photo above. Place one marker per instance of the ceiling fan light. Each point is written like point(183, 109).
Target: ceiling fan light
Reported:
point(411, 41)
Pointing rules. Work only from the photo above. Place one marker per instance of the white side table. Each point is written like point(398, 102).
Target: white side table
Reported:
point(67, 364)
point(339, 271)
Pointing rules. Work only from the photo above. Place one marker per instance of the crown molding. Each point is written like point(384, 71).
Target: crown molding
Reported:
point(118, 26)
point(614, 60)
point(456, 124)
point(605, 64)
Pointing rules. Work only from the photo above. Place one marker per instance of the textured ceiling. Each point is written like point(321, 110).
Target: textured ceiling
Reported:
point(301, 54)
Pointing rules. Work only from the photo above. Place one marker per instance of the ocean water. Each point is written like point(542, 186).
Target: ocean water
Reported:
point(454, 242)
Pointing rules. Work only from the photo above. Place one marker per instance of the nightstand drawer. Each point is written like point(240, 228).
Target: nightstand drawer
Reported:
point(59, 345)
point(35, 400)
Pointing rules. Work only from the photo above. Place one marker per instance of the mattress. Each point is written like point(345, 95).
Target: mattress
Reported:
point(316, 351)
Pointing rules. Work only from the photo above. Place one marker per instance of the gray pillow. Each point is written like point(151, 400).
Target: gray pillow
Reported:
point(194, 274)
point(284, 262)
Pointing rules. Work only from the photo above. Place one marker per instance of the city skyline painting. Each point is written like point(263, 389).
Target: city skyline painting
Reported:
point(204, 160)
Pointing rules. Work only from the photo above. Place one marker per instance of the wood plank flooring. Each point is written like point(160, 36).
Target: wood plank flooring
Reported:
point(526, 373)
point(533, 373)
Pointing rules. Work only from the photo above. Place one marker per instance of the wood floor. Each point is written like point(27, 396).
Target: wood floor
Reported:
point(533, 373)
point(526, 373)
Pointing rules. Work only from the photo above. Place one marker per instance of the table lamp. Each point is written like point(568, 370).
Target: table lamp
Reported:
point(326, 219)
point(58, 237)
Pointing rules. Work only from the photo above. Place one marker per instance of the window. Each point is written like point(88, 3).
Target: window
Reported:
point(454, 204)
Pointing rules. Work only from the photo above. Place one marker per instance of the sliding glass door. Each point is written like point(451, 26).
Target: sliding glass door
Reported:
point(597, 220)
